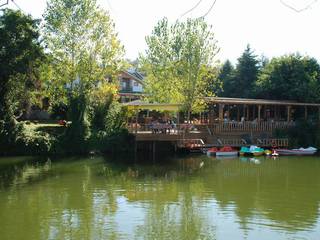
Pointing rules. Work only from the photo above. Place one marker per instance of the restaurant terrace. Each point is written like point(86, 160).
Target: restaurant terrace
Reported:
point(226, 119)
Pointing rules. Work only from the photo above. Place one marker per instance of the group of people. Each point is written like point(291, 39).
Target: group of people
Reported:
point(160, 126)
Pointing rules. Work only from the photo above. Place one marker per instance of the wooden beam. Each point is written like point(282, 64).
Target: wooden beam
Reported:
point(221, 106)
point(288, 113)
point(259, 113)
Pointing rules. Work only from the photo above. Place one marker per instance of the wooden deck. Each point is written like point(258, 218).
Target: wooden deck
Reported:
point(184, 137)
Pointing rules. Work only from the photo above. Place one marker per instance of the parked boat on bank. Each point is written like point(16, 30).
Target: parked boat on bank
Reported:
point(297, 151)
point(253, 150)
point(212, 151)
point(256, 151)
point(227, 151)
point(244, 151)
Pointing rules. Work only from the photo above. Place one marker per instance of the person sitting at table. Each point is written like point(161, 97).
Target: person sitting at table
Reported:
point(154, 126)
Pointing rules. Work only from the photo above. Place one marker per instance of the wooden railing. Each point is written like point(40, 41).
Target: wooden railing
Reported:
point(249, 126)
point(273, 142)
point(236, 142)
point(270, 142)
point(163, 128)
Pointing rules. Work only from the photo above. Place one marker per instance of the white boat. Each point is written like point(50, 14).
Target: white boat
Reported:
point(297, 151)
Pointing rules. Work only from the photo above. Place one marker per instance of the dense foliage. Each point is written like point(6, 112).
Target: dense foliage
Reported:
point(179, 61)
point(240, 81)
point(77, 79)
point(291, 77)
point(20, 56)
point(304, 134)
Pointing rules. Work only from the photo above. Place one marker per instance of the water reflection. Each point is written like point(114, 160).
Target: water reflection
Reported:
point(185, 198)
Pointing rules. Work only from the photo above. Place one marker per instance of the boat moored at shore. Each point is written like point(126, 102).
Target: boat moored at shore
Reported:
point(297, 151)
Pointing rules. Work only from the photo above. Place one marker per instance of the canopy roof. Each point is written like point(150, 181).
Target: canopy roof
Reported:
point(140, 105)
point(246, 101)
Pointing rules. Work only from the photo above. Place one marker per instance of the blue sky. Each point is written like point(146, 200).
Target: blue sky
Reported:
point(267, 25)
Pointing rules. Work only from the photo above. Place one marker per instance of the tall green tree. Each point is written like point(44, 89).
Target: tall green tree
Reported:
point(85, 51)
point(245, 76)
point(291, 77)
point(20, 58)
point(178, 61)
point(226, 76)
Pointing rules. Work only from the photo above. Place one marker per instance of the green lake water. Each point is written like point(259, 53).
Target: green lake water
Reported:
point(191, 197)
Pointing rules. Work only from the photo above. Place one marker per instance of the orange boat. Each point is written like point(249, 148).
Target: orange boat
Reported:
point(227, 151)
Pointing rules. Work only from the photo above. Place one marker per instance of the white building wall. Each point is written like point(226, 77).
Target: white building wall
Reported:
point(136, 87)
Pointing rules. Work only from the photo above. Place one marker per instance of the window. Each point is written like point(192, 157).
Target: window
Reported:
point(136, 84)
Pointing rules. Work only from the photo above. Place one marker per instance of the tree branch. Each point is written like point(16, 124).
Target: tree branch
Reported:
point(3, 4)
point(211, 7)
point(295, 9)
point(190, 10)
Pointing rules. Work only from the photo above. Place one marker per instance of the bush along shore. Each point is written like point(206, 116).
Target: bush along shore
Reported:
point(95, 126)
point(51, 139)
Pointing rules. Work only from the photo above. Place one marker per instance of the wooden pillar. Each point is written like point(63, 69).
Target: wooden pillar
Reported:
point(238, 113)
point(137, 115)
point(135, 149)
point(305, 112)
point(154, 151)
point(248, 112)
point(253, 112)
point(178, 118)
point(288, 113)
point(259, 113)
point(319, 113)
point(221, 112)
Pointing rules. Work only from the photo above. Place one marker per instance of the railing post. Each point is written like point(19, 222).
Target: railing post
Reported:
point(288, 113)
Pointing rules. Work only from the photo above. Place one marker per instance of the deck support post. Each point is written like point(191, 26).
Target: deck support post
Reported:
point(154, 151)
point(259, 113)
point(135, 149)
point(319, 113)
point(248, 112)
point(137, 115)
point(288, 113)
